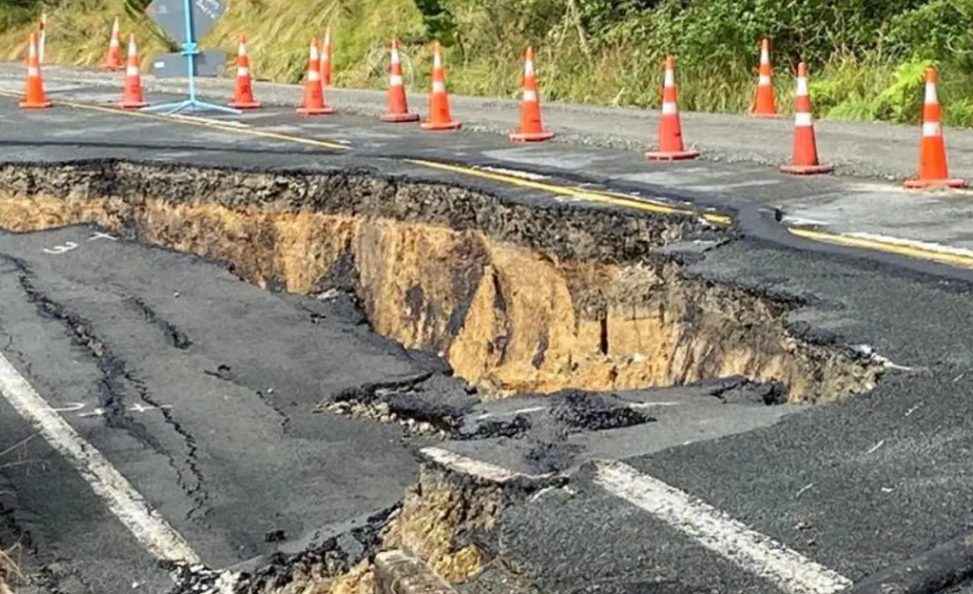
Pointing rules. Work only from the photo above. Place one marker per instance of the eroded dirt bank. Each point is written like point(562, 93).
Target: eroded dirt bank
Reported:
point(515, 298)
point(448, 519)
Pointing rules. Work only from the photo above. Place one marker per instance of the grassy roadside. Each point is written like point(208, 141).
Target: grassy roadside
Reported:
point(483, 57)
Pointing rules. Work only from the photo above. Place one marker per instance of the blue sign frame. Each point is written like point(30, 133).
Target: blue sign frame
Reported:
point(189, 49)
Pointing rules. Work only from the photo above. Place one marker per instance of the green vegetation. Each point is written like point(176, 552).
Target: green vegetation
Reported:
point(866, 57)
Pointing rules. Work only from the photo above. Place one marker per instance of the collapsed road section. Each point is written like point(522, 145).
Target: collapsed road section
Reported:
point(540, 307)
point(515, 299)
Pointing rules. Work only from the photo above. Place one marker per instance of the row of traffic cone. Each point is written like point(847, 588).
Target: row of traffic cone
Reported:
point(36, 98)
point(318, 77)
point(933, 167)
point(397, 105)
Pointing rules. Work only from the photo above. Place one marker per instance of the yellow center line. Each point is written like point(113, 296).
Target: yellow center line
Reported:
point(591, 196)
point(892, 248)
point(612, 198)
point(196, 121)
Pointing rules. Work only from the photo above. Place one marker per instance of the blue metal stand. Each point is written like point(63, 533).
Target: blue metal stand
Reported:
point(189, 50)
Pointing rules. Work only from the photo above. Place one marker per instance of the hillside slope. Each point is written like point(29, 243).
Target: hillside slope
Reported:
point(867, 57)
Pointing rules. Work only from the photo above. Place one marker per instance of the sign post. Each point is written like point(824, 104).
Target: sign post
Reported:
point(187, 21)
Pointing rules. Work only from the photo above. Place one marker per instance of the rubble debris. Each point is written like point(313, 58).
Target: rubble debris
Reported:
point(575, 410)
point(741, 390)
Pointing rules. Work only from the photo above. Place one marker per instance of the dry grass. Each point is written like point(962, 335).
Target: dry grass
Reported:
point(9, 570)
point(9, 565)
point(619, 73)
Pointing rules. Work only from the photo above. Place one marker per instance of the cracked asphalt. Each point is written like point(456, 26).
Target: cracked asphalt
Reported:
point(200, 388)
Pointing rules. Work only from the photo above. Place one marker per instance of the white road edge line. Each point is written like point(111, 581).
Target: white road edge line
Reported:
point(466, 465)
point(715, 530)
point(145, 523)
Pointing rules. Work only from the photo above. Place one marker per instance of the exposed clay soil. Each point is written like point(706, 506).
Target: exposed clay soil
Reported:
point(516, 299)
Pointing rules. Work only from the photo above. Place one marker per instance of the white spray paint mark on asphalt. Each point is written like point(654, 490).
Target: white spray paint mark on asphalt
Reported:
point(715, 530)
point(145, 523)
point(69, 407)
point(60, 249)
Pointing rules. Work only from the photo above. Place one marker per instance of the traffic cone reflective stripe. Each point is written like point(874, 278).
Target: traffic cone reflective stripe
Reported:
point(764, 103)
point(933, 167)
point(132, 90)
point(326, 54)
point(396, 105)
point(671, 145)
point(313, 90)
point(805, 158)
point(243, 96)
point(34, 97)
point(531, 127)
point(440, 117)
point(113, 60)
point(42, 40)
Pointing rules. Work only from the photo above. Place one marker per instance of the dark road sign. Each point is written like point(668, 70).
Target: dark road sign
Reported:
point(211, 63)
point(170, 15)
point(187, 21)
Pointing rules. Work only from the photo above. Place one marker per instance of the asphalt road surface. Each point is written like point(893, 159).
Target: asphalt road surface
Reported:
point(198, 389)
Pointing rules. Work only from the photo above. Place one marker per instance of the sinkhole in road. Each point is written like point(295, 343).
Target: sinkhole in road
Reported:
point(516, 298)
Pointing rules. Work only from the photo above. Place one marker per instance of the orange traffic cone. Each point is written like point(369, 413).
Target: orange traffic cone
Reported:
point(531, 127)
point(440, 117)
point(397, 108)
point(313, 91)
point(34, 97)
point(132, 89)
point(764, 105)
point(326, 58)
point(805, 160)
point(243, 96)
point(671, 146)
point(113, 60)
point(933, 169)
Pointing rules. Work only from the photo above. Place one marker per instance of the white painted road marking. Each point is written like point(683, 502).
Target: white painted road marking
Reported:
point(515, 172)
point(533, 409)
point(466, 465)
point(209, 121)
point(923, 245)
point(60, 249)
point(713, 529)
point(137, 407)
point(145, 523)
